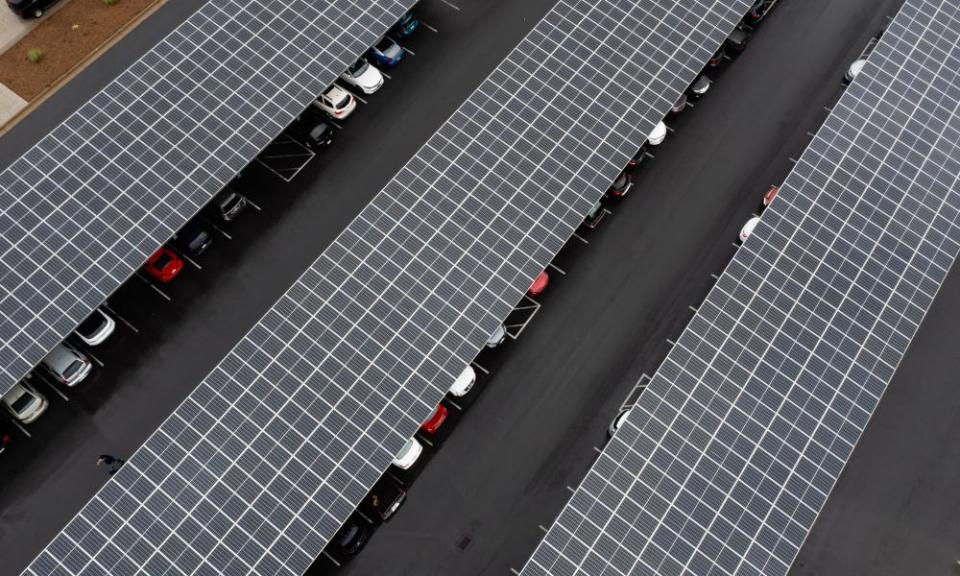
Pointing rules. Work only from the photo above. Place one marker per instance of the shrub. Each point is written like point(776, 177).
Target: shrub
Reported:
point(110, 2)
point(35, 55)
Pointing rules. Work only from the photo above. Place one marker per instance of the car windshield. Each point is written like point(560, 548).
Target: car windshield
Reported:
point(385, 45)
point(73, 369)
point(21, 403)
point(342, 103)
point(91, 325)
point(358, 68)
point(163, 261)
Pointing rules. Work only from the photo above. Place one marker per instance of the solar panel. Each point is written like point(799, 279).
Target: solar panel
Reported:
point(264, 461)
point(728, 457)
point(86, 206)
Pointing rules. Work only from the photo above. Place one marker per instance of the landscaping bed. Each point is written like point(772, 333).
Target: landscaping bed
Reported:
point(64, 40)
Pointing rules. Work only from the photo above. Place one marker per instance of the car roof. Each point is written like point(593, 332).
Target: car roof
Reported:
point(335, 91)
point(60, 357)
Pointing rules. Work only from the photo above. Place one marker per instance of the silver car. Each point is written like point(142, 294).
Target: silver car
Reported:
point(67, 365)
point(498, 336)
point(24, 402)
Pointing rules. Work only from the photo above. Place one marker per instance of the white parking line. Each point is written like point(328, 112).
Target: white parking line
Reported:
point(337, 126)
point(480, 368)
point(409, 51)
point(452, 5)
point(429, 27)
point(126, 322)
point(581, 238)
point(95, 359)
point(192, 261)
point(362, 101)
point(332, 559)
point(254, 204)
point(557, 268)
point(385, 75)
point(455, 405)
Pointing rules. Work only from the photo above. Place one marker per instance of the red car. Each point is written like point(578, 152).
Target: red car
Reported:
point(768, 198)
point(540, 284)
point(436, 420)
point(164, 265)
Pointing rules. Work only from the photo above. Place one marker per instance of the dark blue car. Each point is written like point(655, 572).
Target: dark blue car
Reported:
point(406, 26)
point(386, 52)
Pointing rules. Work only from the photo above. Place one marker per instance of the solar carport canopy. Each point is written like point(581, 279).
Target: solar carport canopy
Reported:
point(731, 452)
point(86, 206)
point(264, 461)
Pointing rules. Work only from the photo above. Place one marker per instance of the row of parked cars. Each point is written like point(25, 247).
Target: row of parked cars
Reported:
point(67, 364)
point(387, 496)
point(733, 46)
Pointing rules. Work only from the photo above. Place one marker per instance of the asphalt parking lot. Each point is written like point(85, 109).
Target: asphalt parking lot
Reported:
point(147, 372)
point(501, 466)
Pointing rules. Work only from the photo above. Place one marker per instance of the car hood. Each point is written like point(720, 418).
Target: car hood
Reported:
point(371, 77)
point(658, 134)
point(393, 52)
point(464, 381)
point(855, 68)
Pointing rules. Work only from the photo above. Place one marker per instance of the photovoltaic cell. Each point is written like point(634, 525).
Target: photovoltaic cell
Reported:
point(263, 462)
point(86, 206)
point(731, 452)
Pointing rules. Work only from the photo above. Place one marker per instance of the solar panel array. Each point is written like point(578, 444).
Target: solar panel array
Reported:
point(265, 460)
point(86, 206)
point(725, 462)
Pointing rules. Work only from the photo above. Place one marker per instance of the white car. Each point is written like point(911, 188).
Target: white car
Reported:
point(67, 365)
point(747, 229)
point(618, 421)
point(498, 336)
point(464, 382)
point(854, 70)
point(658, 135)
point(96, 328)
point(24, 402)
point(408, 455)
point(364, 76)
point(336, 102)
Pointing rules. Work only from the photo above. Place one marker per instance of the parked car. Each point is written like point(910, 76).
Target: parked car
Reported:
point(97, 327)
point(748, 228)
point(680, 105)
point(639, 158)
point(384, 499)
point(621, 186)
point(617, 421)
point(312, 129)
point(336, 103)
point(759, 11)
point(407, 25)
point(540, 284)
point(699, 87)
point(29, 8)
point(436, 420)
point(24, 402)
point(192, 239)
point(164, 265)
point(768, 197)
point(736, 42)
point(658, 135)
point(363, 76)
point(595, 215)
point(498, 336)
point(853, 71)
point(386, 52)
point(351, 537)
point(718, 57)
point(464, 382)
point(67, 365)
point(408, 455)
point(228, 205)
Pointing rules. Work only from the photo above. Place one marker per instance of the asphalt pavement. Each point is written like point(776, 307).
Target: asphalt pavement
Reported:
point(501, 466)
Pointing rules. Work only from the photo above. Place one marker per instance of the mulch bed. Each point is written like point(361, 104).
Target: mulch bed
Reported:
point(66, 37)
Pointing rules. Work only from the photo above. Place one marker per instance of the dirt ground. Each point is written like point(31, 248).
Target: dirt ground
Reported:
point(66, 37)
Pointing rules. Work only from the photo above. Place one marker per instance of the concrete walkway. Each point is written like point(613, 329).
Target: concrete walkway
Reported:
point(10, 104)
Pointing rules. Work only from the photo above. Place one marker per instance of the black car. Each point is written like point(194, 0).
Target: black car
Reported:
point(759, 11)
point(736, 42)
point(29, 8)
point(192, 239)
point(639, 158)
point(621, 185)
point(228, 205)
point(313, 130)
point(351, 537)
point(385, 499)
